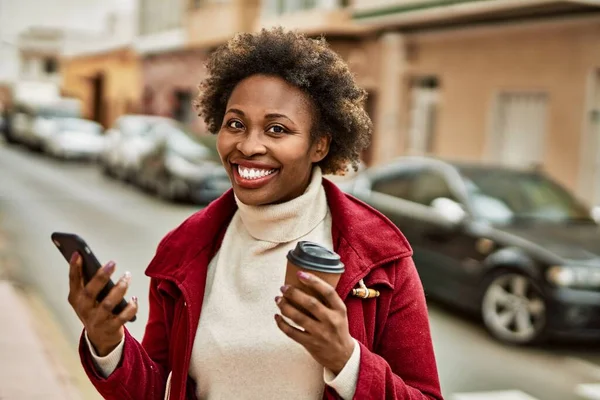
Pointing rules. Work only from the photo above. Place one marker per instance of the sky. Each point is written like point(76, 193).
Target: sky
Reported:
point(79, 15)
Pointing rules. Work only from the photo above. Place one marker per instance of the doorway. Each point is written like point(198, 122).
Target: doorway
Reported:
point(98, 111)
point(182, 106)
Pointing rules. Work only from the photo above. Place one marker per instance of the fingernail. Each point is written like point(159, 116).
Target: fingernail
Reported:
point(134, 299)
point(277, 299)
point(126, 277)
point(74, 257)
point(303, 275)
point(284, 288)
point(109, 267)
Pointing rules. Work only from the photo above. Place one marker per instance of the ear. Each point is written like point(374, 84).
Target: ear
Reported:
point(320, 148)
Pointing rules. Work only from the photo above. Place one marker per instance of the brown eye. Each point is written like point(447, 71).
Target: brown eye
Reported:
point(235, 124)
point(276, 129)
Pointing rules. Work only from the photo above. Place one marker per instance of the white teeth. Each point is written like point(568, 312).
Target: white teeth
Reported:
point(254, 173)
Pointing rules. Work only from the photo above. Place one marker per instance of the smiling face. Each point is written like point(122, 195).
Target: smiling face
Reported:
point(265, 140)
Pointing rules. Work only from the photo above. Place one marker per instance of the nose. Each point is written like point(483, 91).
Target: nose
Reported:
point(251, 144)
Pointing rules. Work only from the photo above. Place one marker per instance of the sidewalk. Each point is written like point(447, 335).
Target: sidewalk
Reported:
point(26, 370)
point(36, 360)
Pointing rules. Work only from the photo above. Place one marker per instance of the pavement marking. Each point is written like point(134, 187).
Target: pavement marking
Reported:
point(497, 395)
point(588, 391)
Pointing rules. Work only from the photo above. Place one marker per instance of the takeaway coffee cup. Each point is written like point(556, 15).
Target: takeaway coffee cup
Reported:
point(315, 259)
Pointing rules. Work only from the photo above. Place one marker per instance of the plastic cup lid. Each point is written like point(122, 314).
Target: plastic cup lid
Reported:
point(315, 257)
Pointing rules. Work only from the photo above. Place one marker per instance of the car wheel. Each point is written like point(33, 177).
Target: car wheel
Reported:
point(120, 173)
point(141, 181)
point(513, 308)
point(107, 170)
point(166, 190)
point(144, 181)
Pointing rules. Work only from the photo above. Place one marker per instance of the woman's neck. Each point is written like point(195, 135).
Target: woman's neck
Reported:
point(287, 221)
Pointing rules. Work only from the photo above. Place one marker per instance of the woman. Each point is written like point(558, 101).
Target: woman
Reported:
point(286, 109)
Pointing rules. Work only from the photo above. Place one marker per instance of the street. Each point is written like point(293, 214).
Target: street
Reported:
point(39, 196)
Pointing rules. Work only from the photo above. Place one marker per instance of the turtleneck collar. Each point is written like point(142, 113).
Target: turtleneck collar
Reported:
point(285, 222)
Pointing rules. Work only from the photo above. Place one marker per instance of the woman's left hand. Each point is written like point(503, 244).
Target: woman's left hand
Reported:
point(326, 335)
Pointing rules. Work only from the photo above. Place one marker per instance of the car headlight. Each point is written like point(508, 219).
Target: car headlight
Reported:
point(574, 276)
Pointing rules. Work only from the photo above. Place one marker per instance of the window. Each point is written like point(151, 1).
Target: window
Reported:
point(428, 186)
point(519, 128)
point(200, 3)
point(278, 7)
point(50, 65)
point(157, 16)
point(423, 114)
point(397, 185)
point(520, 196)
point(182, 107)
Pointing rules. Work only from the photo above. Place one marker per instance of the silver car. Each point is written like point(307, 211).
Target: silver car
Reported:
point(74, 138)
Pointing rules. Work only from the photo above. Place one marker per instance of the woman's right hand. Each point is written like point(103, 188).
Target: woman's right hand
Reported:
point(104, 329)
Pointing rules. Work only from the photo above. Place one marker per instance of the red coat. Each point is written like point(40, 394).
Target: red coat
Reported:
point(397, 360)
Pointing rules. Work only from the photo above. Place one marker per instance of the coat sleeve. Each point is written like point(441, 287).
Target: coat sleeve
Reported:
point(142, 371)
point(403, 364)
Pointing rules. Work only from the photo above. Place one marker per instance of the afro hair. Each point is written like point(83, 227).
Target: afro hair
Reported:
point(306, 63)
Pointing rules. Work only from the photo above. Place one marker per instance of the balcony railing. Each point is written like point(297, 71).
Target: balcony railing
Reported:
point(381, 8)
point(431, 12)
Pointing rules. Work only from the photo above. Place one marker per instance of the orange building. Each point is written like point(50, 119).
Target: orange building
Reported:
point(108, 83)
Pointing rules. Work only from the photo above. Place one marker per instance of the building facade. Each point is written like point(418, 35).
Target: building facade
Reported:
point(171, 71)
point(39, 52)
point(171, 84)
point(497, 81)
point(490, 81)
point(107, 83)
point(104, 70)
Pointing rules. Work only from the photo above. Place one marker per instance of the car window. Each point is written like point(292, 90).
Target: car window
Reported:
point(81, 125)
point(133, 126)
point(397, 184)
point(428, 186)
point(523, 195)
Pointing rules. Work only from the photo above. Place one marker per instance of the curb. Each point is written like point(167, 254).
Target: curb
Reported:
point(59, 353)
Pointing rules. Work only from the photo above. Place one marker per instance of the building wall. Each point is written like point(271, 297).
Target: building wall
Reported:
point(159, 15)
point(213, 23)
point(166, 74)
point(473, 66)
point(121, 88)
point(363, 58)
point(324, 16)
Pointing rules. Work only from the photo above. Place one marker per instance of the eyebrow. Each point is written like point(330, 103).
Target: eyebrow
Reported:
point(267, 116)
point(236, 111)
point(275, 116)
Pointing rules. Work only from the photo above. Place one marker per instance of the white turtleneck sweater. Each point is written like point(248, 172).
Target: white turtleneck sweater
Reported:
point(239, 352)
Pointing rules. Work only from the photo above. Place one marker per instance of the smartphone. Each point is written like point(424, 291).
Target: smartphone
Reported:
point(69, 243)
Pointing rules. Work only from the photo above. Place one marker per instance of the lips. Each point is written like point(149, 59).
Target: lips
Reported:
point(253, 175)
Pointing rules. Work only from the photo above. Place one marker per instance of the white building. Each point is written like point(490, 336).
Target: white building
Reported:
point(72, 25)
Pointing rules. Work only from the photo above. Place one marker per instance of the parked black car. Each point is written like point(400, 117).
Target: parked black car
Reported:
point(512, 245)
point(183, 167)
